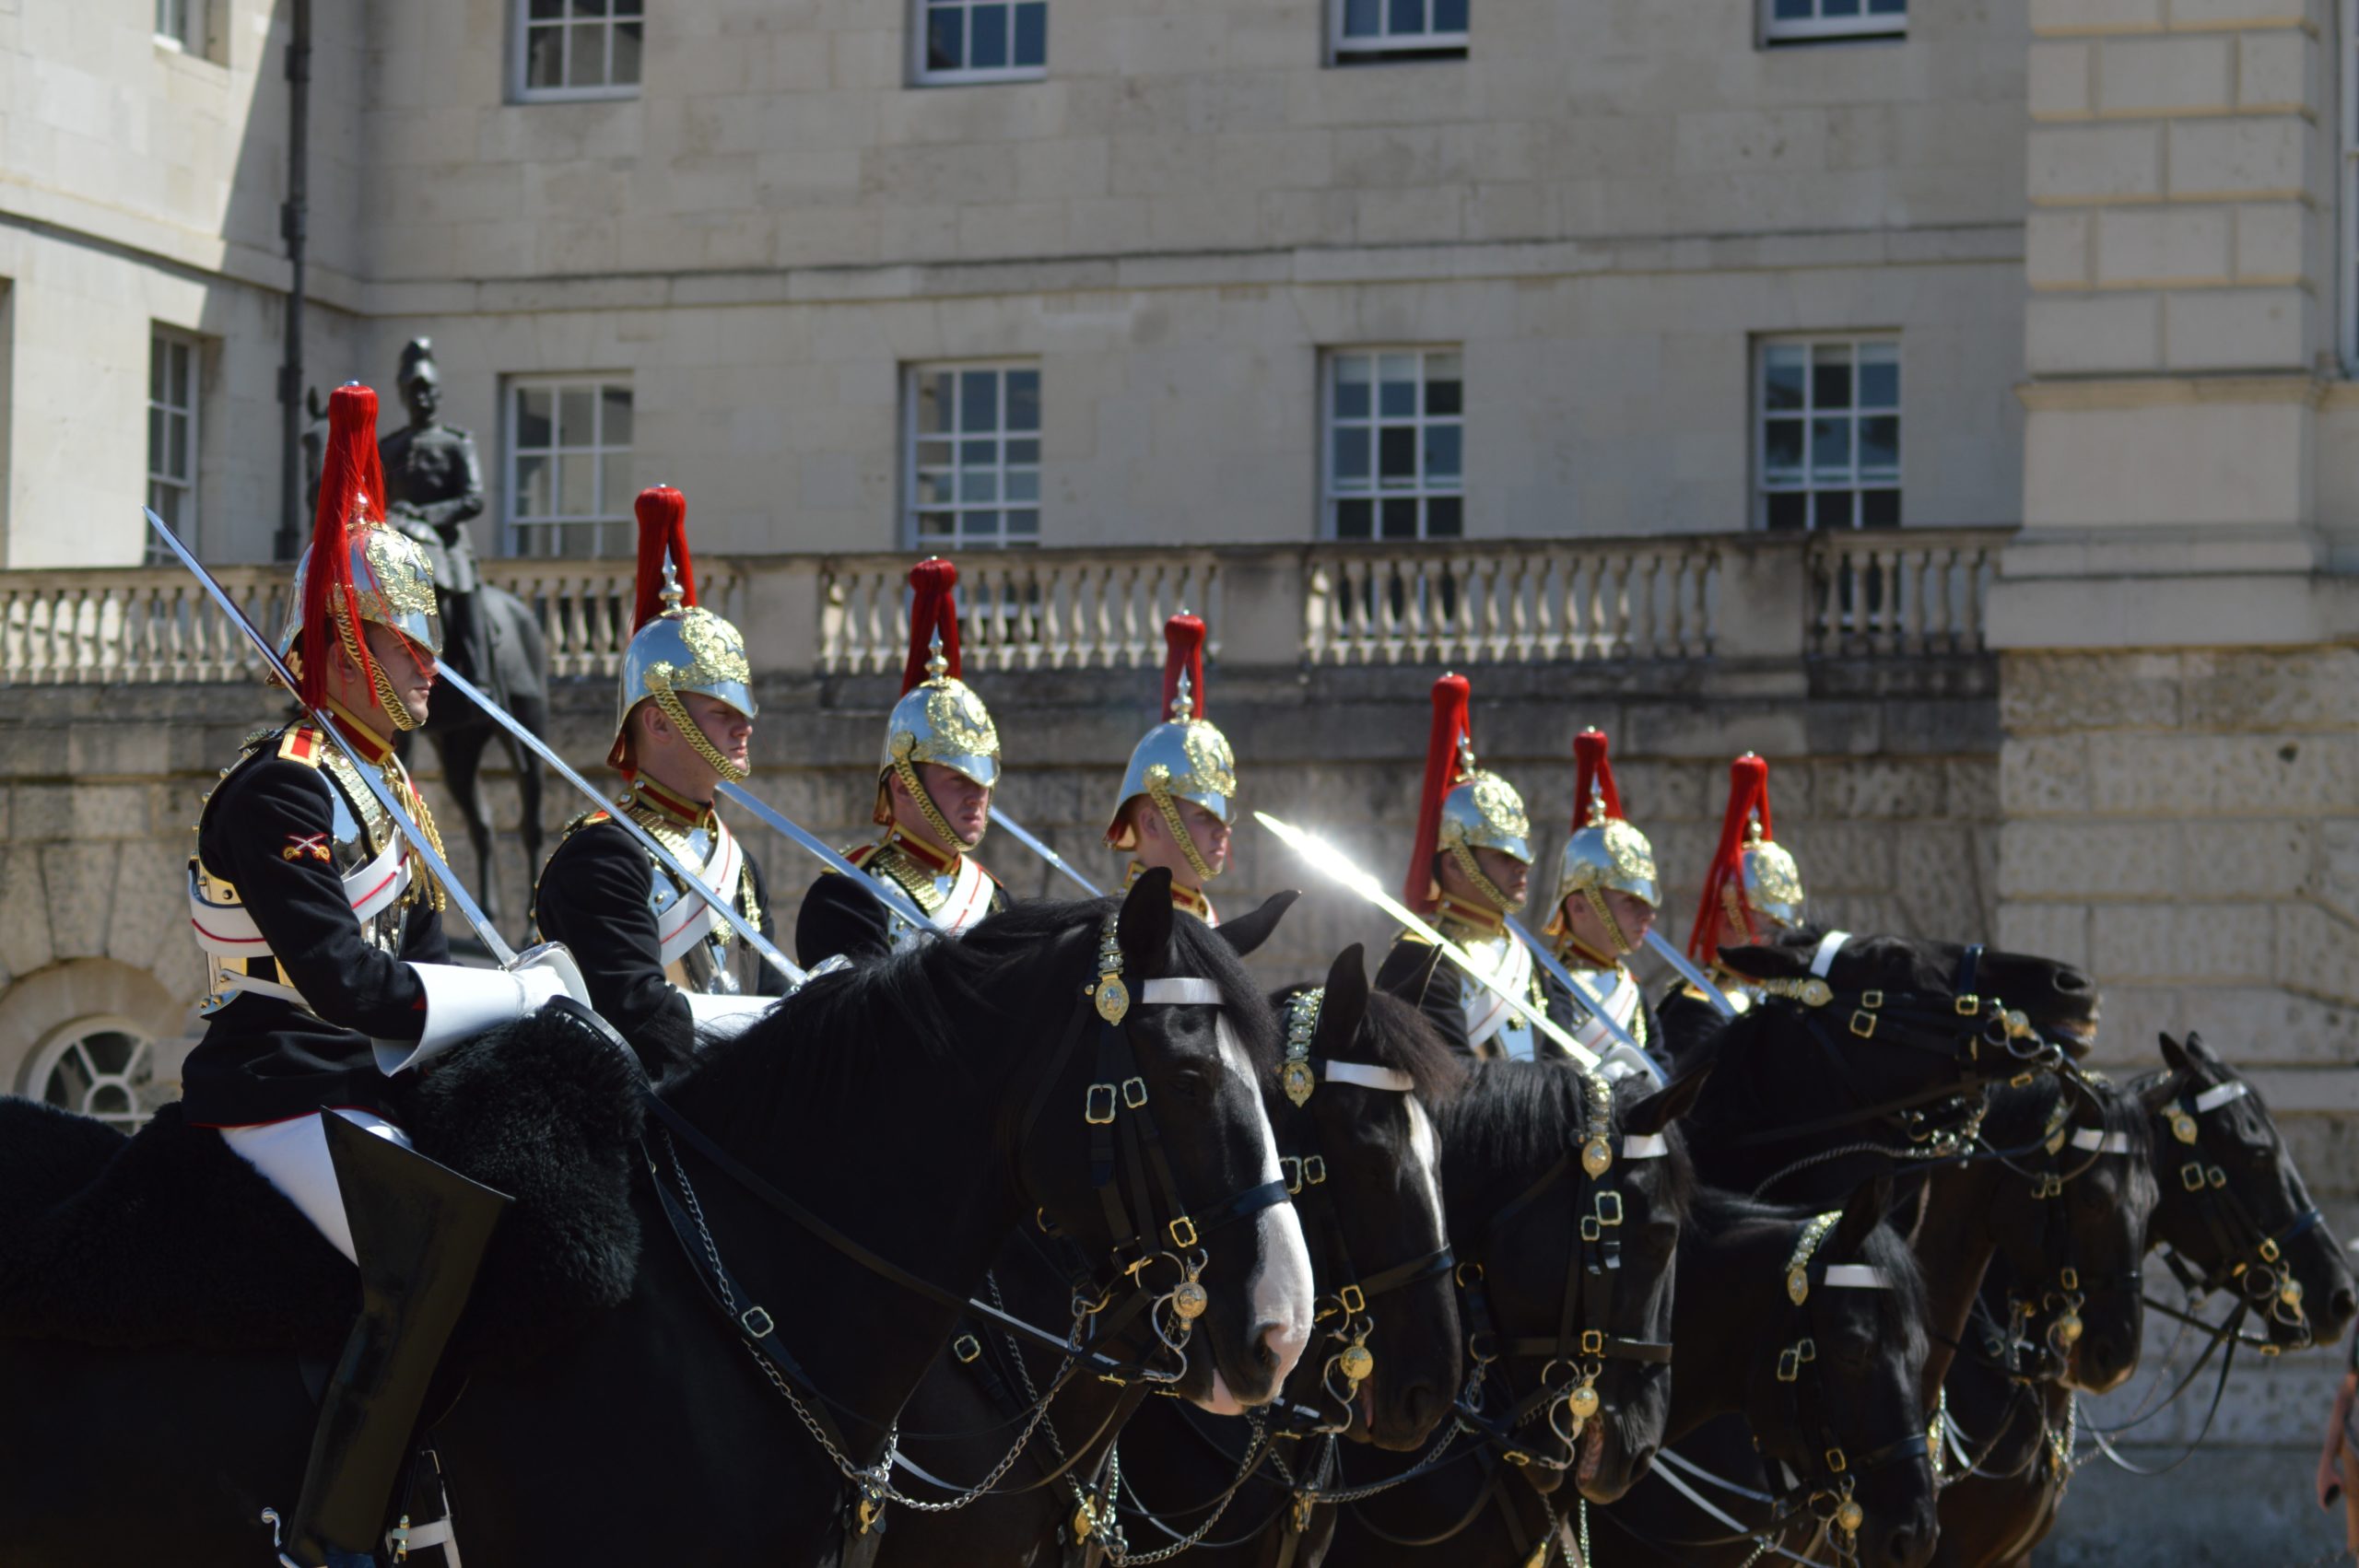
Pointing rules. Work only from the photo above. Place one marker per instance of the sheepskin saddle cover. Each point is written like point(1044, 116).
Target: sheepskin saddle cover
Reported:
point(168, 1238)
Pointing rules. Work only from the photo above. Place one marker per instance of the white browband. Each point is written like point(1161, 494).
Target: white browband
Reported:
point(1828, 946)
point(1856, 1277)
point(2100, 1140)
point(1644, 1146)
point(2212, 1099)
point(1187, 991)
point(1391, 1080)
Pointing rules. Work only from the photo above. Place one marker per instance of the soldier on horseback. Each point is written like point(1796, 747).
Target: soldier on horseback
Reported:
point(327, 971)
point(934, 799)
point(660, 963)
point(1606, 899)
point(1177, 802)
point(1753, 891)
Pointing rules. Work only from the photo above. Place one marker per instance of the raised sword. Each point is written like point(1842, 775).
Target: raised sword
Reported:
point(892, 898)
point(1564, 977)
point(1018, 831)
point(1670, 953)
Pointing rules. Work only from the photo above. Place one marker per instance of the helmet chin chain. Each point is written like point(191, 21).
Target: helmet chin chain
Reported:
point(387, 699)
point(1160, 793)
point(1482, 885)
point(1604, 912)
point(701, 743)
point(950, 837)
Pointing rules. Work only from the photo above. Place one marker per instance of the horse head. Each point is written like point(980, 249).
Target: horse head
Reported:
point(1835, 1396)
point(1364, 1164)
point(2234, 1209)
point(1150, 1144)
point(1566, 1207)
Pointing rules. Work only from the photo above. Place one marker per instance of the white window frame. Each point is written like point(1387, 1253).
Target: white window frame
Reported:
point(1823, 28)
point(610, 512)
point(136, 1082)
point(913, 504)
point(1811, 484)
point(1332, 495)
point(192, 36)
point(924, 74)
point(2348, 293)
point(520, 25)
point(1343, 49)
point(161, 338)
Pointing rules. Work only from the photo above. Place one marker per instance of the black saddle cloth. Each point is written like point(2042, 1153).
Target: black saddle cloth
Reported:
point(168, 1238)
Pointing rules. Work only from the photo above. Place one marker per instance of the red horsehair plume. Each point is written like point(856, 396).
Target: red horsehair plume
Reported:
point(933, 608)
point(1450, 729)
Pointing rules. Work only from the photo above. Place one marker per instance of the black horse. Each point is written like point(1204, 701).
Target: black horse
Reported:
point(519, 679)
point(2205, 1121)
point(1569, 1281)
point(923, 1105)
point(1367, 1160)
point(1826, 1389)
point(1374, 1153)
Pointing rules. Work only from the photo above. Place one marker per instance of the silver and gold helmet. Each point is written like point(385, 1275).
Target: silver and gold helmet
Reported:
point(1605, 853)
point(1754, 889)
point(1184, 759)
point(356, 566)
point(1464, 807)
point(938, 719)
point(676, 646)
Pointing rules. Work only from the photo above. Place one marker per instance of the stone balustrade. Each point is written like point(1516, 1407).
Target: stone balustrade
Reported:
point(1906, 593)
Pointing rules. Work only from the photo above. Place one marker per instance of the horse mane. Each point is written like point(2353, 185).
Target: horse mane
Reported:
point(1903, 1313)
point(1524, 1115)
point(1896, 963)
point(870, 1027)
point(1394, 1033)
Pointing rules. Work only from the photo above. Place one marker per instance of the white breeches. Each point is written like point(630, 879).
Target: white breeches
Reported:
point(293, 1157)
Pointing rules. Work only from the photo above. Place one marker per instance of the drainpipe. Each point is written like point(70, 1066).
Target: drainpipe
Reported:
point(292, 224)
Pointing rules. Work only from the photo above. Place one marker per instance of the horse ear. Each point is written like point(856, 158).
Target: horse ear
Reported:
point(2174, 1056)
point(1346, 1005)
point(1861, 1215)
point(1246, 932)
point(2161, 1092)
point(1667, 1104)
point(1145, 929)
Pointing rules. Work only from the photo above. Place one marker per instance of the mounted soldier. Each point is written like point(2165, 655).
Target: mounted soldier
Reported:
point(934, 780)
point(1470, 868)
point(660, 963)
point(1177, 802)
point(327, 970)
point(1605, 904)
point(1751, 893)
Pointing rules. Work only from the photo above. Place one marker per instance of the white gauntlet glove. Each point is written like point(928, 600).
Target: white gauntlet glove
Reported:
point(462, 1003)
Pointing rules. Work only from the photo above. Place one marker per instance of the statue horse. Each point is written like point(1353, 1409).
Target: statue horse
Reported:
point(922, 1105)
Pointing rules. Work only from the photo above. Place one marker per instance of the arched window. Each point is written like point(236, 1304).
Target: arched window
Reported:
point(101, 1066)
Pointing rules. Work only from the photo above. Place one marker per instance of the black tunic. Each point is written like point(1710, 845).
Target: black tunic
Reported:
point(1415, 970)
point(839, 918)
point(264, 1059)
point(595, 897)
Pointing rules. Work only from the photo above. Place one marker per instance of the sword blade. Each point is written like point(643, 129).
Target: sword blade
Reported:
point(1564, 977)
point(1671, 954)
point(1337, 867)
point(423, 847)
point(723, 907)
point(1016, 831)
point(892, 898)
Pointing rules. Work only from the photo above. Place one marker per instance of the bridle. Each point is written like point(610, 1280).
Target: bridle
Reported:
point(2249, 1257)
point(1584, 1340)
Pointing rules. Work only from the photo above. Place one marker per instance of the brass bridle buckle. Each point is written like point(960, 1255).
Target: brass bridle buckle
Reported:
point(1097, 1105)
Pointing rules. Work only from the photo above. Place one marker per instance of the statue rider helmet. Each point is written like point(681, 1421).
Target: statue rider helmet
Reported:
point(676, 645)
point(1183, 758)
point(1605, 853)
point(356, 569)
point(1754, 889)
point(1463, 807)
point(938, 719)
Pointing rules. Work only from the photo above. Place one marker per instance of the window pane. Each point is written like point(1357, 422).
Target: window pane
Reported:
point(977, 455)
point(1351, 519)
point(1363, 18)
point(1351, 376)
point(1789, 508)
point(936, 487)
point(1879, 446)
point(1023, 400)
point(987, 38)
point(977, 525)
point(1781, 449)
point(1880, 508)
point(627, 7)
point(614, 413)
point(585, 10)
point(585, 57)
point(627, 50)
point(1022, 451)
point(1396, 456)
point(575, 411)
point(978, 400)
point(1408, 15)
point(155, 439)
point(177, 424)
point(544, 57)
point(934, 395)
point(1032, 35)
point(1781, 378)
point(1887, 7)
point(532, 418)
point(1397, 394)
point(1400, 517)
point(1024, 524)
point(613, 478)
point(1880, 376)
point(1441, 452)
point(177, 383)
point(1830, 447)
point(1830, 377)
point(979, 485)
point(1442, 517)
point(1793, 10)
point(935, 525)
point(156, 348)
point(1024, 485)
point(531, 499)
point(573, 495)
point(1351, 458)
point(1834, 509)
point(1839, 8)
point(946, 40)
point(544, 10)
point(1444, 393)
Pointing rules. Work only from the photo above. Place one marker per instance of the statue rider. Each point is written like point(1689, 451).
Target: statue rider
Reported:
point(434, 486)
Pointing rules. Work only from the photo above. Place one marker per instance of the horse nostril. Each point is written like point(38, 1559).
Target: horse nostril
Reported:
point(1277, 1346)
point(1423, 1402)
point(2345, 1304)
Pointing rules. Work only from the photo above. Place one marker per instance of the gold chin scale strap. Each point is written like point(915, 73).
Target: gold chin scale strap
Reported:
point(943, 833)
point(1158, 789)
point(1595, 897)
point(678, 712)
point(1482, 885)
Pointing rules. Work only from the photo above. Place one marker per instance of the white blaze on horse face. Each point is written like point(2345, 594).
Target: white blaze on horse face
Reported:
point(1281, 1292)
point(1424, 1152)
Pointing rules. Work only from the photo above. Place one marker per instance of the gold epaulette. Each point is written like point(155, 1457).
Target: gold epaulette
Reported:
point(299, 742)
point(590, 818)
